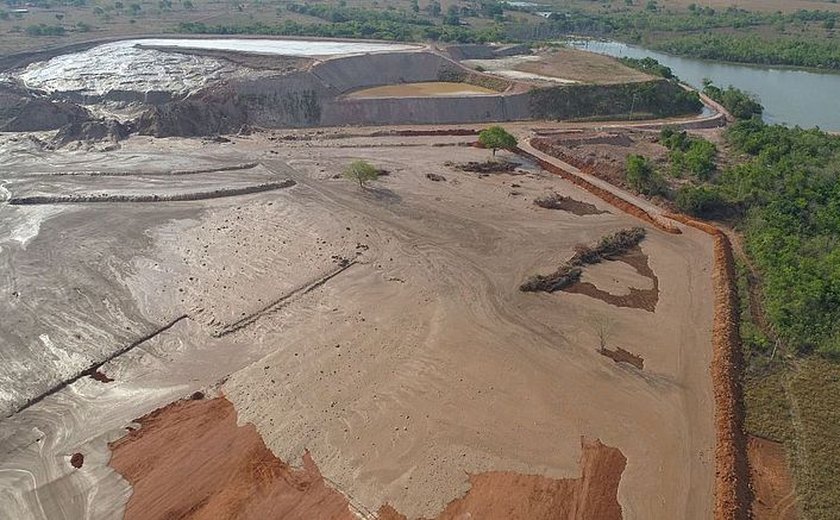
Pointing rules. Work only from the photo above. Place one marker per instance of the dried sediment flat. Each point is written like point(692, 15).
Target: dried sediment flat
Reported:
point(401, 376)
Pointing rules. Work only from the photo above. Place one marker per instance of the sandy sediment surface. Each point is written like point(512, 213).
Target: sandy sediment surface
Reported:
point(234, 475)
point(403, 374)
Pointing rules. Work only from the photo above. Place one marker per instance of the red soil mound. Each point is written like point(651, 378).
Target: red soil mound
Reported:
point(502, 495)
point(775, 498)
point(191, 460)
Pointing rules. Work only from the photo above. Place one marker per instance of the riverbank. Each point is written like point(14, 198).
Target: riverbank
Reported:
point(772, 85)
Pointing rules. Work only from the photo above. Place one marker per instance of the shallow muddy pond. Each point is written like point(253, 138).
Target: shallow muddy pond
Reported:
point(426, 89)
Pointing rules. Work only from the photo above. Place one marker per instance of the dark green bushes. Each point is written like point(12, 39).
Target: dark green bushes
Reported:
point(642, 176)
point(659, 98)
point(701, 201)
point(648, 65)
point(385, 27)
point(790, 191)
point(739, 103)
point(798, 51)
point(691, 155)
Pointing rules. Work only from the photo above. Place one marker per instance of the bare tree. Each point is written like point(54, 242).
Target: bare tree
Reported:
point(603, 326)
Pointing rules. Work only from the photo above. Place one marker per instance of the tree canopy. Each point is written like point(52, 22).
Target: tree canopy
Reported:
point(496, 138)
point(361, 172)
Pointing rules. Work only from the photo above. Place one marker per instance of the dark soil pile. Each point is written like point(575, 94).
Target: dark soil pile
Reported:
point(487, 167)
point(610, 246)
point(555, 201)
point(208, 114)
point(90, 131)
point(21, 111)
point(101, 377)
point(619, 355)
point(77, 460)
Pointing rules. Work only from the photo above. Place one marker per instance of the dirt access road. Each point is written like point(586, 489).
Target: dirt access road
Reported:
point(380, 331)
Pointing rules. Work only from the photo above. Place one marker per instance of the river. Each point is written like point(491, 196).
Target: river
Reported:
point(790, 96)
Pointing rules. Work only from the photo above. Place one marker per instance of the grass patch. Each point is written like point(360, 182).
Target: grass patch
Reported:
point(815, 387)
point(768, 410)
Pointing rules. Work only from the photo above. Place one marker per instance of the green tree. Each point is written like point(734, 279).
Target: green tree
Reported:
point(361, 172)
point(642, 177)
point(496, 138)
point(453, 16)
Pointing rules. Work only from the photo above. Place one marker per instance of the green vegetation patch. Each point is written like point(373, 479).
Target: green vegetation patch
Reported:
point(658, 98)
point(688, 155)
point(737, 102)
point(751, 48)
point(815, 388)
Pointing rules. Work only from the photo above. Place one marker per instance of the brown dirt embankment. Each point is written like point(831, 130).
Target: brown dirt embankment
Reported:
point(602, 194)
point(191, 460)
point(733, 495)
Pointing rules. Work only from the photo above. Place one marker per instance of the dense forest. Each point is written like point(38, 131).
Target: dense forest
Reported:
point(785, 195)
point(339, 21)
point(749, 48)
point(801, 38)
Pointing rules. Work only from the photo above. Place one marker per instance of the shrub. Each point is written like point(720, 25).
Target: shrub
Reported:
point(361, 172)
point(700, 201)
point(642, 177)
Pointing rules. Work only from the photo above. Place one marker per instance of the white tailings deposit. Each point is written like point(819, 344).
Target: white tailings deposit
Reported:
point(302, 48)
point(135, 65)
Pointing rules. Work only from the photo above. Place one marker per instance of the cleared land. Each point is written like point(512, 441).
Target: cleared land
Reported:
point(380, 331)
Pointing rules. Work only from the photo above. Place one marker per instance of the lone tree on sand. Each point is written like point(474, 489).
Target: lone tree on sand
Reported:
point(603, 327)
point(495, 138)
point(361, 172)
